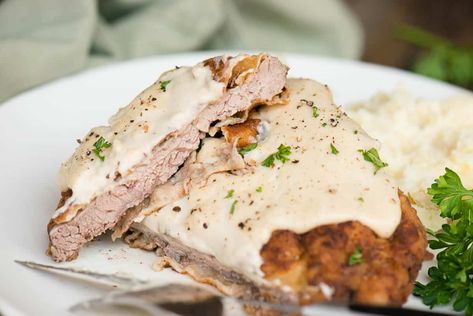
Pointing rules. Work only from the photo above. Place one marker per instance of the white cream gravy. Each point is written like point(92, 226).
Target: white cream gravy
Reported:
point(135, 130)
point(316, 187)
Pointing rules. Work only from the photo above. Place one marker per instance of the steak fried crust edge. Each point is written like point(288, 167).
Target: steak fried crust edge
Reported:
point(385, 276)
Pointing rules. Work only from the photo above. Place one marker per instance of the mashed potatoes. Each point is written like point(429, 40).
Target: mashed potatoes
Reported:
point(419, 139)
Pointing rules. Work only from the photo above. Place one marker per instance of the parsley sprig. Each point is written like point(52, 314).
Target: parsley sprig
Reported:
point(99, 145)
point(452, 279)
point(450, 195)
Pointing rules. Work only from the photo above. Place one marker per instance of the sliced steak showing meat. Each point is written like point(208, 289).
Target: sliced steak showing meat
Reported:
point(203, 268)
point(248, 80)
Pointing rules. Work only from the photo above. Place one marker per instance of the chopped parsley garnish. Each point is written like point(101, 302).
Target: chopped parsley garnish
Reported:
point(373, 157)
point(324, 124)
point(333, 149)
point(269, 161)
point(230, 194)
point(99, 145)
point(247, 149)
point(356, 257)
point(355, 131)
point(361, 199)
point(315, 111)
point(282, 155)
point(164, 84)
point(232, 208)
point(259, 189)
point(452, 279)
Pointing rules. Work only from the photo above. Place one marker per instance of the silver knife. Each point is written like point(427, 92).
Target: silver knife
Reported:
point(184, 299)
point(117, 280)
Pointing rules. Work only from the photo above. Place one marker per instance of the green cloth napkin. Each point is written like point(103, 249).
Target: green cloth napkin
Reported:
point(45, 39)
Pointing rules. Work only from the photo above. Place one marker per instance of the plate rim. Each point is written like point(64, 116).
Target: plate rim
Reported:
point(10, 103)
point(203, 54)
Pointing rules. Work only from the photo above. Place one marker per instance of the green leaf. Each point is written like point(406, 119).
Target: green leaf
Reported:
point(282, 155)
point(461, 67)
point(269, 161)
point(333, 149)
point(164, 84)
point(356, 257)
point(435, 244)
point(99, 145)
point(315, 111)
point(449, 193)
point(233, 206)
point(444, 297)
point(446, 237)
point(461, 301)
point(434, 65)
point(247, 149)
point(229, 194)
point(443, 59)
point(373, 157)
point(451, 280)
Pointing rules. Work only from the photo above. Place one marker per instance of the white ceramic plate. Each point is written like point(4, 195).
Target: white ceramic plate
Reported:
point(38, 130)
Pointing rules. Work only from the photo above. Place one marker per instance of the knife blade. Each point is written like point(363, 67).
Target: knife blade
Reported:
point(118, 280)
point(183, 299)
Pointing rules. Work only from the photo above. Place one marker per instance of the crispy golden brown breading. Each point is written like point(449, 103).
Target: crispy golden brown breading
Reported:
point(385, 277)
point(245, 133)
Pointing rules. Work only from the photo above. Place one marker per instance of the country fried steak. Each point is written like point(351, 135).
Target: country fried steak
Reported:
point(231, 192)
point(257, 185)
